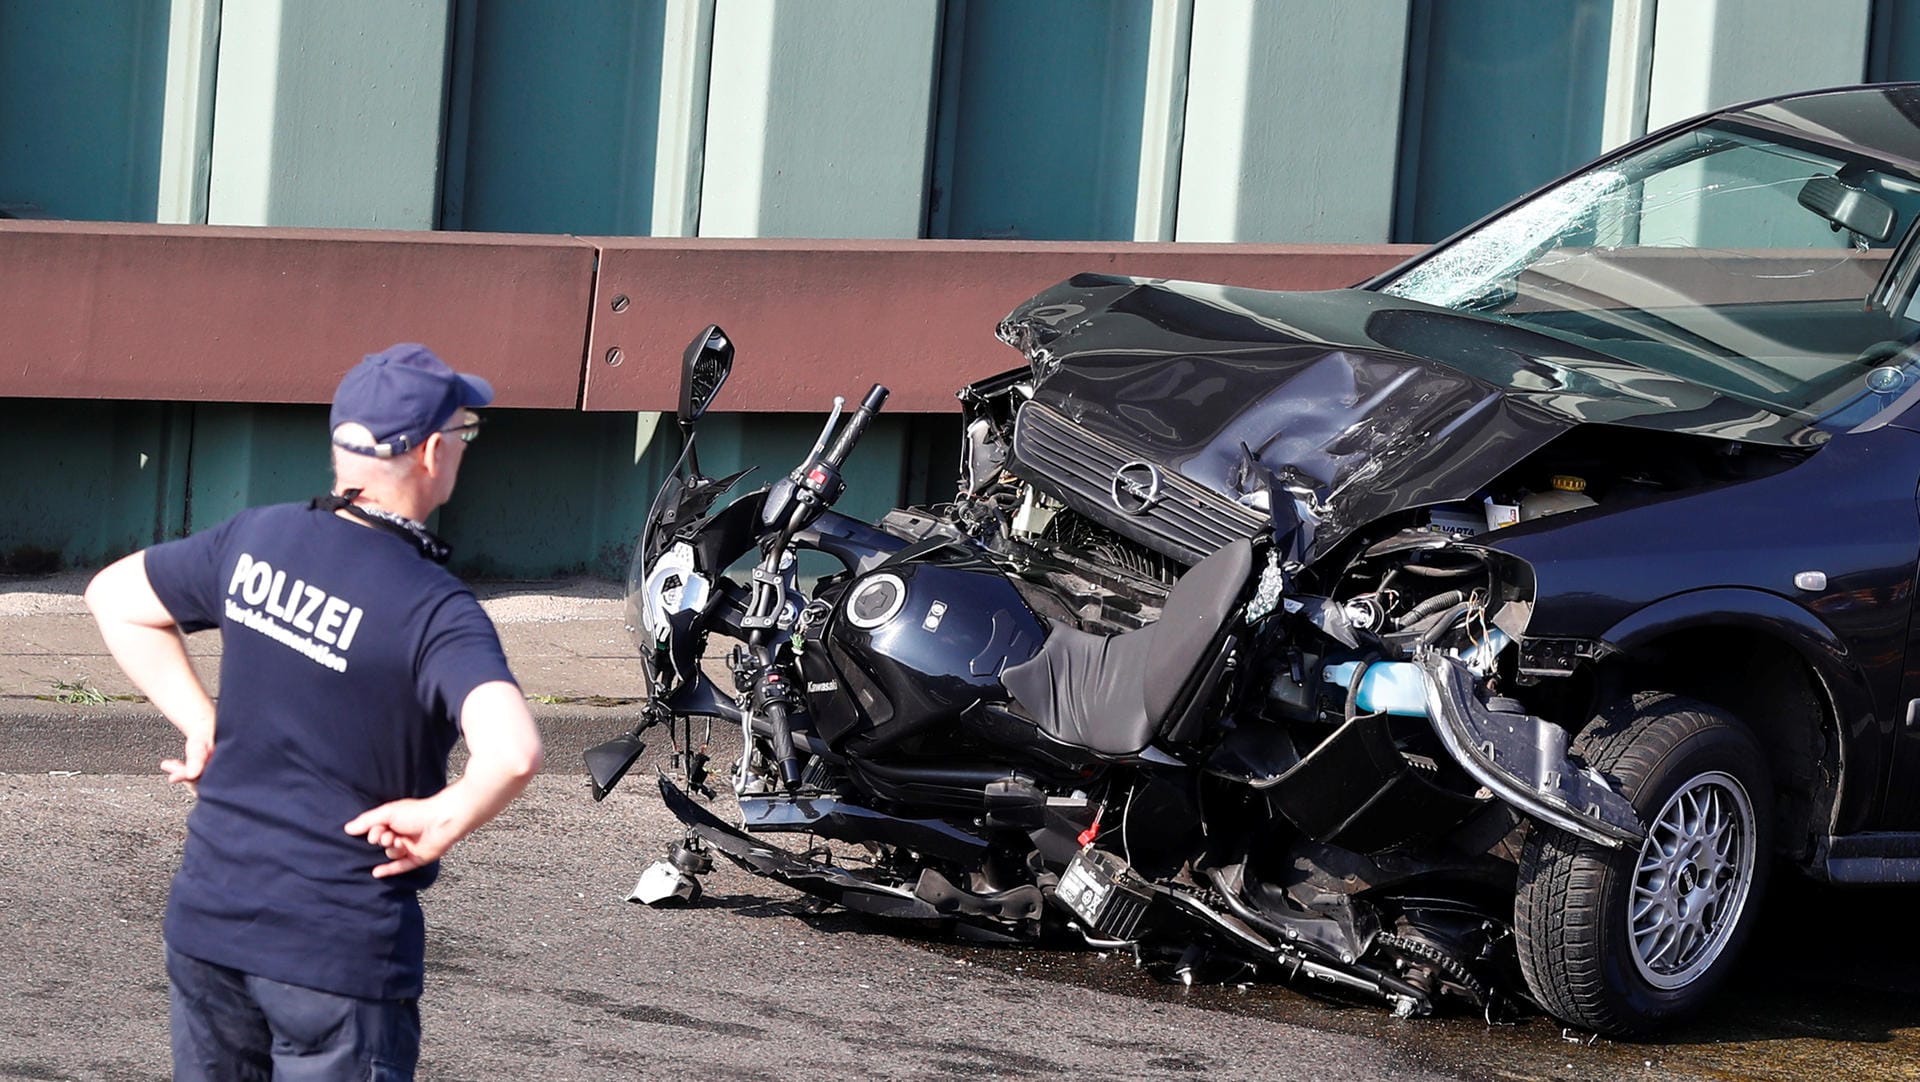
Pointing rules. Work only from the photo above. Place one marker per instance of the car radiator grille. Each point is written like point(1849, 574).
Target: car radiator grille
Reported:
point(1189, 523)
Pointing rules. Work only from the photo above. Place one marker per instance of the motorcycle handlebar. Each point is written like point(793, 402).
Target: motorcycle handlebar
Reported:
point(857, 425)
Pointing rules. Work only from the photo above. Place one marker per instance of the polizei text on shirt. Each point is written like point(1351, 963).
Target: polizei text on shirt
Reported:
point(295, 614)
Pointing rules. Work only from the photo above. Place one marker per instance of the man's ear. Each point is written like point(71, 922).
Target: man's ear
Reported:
point(432, 454)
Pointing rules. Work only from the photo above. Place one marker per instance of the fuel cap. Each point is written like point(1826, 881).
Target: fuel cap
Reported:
point(875, 600)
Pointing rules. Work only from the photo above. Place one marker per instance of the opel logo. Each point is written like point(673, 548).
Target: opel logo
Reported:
point(1136, 487)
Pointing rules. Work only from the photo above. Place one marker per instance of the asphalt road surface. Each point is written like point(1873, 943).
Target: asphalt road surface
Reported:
point(538, 969)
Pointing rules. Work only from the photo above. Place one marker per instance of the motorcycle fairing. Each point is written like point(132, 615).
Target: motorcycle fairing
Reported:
point(843, 820)
point(680, 511)
point(608, 762)
point(1358, 791)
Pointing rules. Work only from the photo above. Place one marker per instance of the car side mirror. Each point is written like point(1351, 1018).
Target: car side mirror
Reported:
point(703, 369)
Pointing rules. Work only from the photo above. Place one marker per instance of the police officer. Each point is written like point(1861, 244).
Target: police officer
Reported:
point(351, 661)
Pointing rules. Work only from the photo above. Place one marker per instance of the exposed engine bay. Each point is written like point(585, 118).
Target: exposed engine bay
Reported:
point(1394, 580)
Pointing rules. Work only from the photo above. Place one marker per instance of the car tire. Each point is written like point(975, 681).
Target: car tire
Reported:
point(1621, 941)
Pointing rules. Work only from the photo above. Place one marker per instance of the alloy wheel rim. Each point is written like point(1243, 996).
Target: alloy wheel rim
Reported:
point(1692, 880)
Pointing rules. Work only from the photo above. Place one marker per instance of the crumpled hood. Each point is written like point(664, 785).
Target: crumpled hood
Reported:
point(1360, 404)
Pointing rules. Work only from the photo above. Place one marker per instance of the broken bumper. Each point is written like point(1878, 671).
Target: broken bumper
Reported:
point(1523, 759)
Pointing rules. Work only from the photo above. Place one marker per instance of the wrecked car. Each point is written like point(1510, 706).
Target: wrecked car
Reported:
point(1486, 632)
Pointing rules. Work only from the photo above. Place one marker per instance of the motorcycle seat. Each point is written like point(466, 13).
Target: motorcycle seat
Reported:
point(1111, 694)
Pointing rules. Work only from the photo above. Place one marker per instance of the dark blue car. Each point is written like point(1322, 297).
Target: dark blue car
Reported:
point(1656, 427)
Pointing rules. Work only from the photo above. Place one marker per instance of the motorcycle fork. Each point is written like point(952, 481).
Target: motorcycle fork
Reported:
point(692, 762)
point(752, 666)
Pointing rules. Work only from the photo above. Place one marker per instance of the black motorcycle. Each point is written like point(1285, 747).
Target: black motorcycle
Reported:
point(1227, 777)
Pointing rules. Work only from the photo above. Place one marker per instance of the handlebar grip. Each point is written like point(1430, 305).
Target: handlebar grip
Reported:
point(783, 745)
point(857, 425)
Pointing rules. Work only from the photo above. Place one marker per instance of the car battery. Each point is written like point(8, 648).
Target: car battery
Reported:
point(1099, 888)
point(1458, 525)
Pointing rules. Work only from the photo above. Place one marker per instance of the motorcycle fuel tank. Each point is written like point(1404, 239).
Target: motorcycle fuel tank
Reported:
point(913, 646)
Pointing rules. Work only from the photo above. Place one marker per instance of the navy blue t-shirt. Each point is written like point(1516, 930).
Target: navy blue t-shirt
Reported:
point(346, 656)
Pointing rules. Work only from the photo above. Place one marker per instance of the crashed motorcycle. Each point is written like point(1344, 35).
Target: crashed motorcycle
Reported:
point(1228, 774)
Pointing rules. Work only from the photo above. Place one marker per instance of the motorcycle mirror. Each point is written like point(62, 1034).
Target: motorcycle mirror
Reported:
point(703, 368)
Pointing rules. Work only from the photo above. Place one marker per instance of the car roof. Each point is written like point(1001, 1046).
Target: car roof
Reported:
point(1882, 119)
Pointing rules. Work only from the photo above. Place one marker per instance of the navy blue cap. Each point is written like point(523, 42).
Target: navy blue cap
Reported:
point(403, 394)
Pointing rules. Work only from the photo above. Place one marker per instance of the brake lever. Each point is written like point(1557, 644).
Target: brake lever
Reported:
point(826, 433)
point(801, 490)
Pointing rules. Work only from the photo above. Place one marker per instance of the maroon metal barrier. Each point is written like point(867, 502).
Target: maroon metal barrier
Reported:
point(197, 313)
point(816, 318)
point(99, 310)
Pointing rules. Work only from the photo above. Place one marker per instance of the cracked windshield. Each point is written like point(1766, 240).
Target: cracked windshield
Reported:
point(1771, 272)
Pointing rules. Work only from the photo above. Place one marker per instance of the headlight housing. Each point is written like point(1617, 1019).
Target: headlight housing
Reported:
point(672, 585)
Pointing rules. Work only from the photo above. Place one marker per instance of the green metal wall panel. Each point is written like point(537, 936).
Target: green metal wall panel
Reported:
point(817, 120)
point(87, 481)
point(1290, 118)
point(549, 492)
point(1708, 54)
point(80, 134)
point(555, 115)
point(1502, 96)
point(245, 455)
point(329, 114)
point(543, 493)
point(1893, 48)
point(1040, 132)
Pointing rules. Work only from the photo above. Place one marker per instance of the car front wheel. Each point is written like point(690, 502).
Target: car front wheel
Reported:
point(1620, 941)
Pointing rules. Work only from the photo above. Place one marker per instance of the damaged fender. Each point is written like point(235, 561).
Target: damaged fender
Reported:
point(1523, 759)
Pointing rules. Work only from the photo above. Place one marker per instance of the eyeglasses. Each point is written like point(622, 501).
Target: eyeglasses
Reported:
point(467, 432)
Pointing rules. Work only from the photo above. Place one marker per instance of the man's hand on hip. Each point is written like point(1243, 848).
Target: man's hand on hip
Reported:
point(413, 833)
point(143, 638)
point(503, 754)
point(187, 769)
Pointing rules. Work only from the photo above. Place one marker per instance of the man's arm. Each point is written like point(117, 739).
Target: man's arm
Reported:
point(503, 754)
point(142, 636)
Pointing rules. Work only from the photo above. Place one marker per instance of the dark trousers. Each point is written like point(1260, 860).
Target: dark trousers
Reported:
point(230, 1026)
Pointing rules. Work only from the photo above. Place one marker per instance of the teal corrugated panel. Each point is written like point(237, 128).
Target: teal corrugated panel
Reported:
point(555, 108)
point(82, 84)
point(1893, 53)
point(1041, 108)
point(542, 492)
point(1501, 97)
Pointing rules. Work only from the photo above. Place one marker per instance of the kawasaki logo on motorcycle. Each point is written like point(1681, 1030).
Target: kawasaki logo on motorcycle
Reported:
point(1136, 487)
